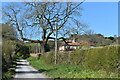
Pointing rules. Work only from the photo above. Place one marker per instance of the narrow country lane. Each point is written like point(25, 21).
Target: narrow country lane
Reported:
point(24, 70)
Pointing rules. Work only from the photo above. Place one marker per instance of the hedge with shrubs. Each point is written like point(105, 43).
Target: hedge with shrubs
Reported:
point(22, 51)
point(10, 51)
point(105, 58)
point(98, 58)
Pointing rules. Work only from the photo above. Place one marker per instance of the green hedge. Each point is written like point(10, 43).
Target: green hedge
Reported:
point(10, 51)
point(22, 51)
point(48, 57)
point(7, 54)
point(105, 58)
point(98, 58)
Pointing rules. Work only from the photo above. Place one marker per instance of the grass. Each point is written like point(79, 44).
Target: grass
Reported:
point(10, 72)
point(67, 70)
point(30, 44)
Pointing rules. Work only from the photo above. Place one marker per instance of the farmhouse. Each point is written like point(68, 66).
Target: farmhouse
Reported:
point(74, 45)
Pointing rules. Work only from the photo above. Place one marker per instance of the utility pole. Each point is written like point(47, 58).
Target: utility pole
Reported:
point(39, 48)
point(56, 44)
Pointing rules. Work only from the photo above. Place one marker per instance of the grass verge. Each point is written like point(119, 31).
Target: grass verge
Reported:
point(67, 70)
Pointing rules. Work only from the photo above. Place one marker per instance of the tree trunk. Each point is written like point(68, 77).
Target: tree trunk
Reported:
point(42, 47)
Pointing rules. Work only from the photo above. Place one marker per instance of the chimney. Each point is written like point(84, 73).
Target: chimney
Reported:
point(73, 40)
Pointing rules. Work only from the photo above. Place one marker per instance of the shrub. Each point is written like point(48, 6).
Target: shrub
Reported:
point(22, 50)
point(78, 56)
point(105, 58)
point(8, 51)
point(48, 57)
point(98, 58)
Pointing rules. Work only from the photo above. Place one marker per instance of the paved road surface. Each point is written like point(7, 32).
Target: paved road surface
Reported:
point(23, 70)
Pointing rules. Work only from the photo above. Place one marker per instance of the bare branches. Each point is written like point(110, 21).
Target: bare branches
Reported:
point(59, 39)
point(43, 16)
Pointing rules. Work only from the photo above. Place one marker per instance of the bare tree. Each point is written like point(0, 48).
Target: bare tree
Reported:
point(89, 32)
point(39, 20)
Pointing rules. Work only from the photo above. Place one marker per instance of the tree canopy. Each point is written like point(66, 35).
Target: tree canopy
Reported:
point(8, 32)
point(39, 20)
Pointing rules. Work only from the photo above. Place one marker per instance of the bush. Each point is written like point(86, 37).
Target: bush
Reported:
point(99, 58)
point(8, 53)
point(9, 72)
point(75, 57)
point(62, 58)
point(60, 71)
point(105, 58)
point(9, 50)
point(48, 57)
point(22, 50)
point(78, 56)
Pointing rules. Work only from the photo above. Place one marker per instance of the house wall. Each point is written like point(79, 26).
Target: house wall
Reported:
point(62, 48)
point(68, 48)
point(73, 47)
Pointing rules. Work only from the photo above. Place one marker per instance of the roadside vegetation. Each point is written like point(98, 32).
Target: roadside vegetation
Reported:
point(11, 49)
point(98, 62)
point(32, 27)
point(92, 63)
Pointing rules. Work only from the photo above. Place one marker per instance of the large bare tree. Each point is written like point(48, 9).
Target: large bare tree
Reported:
point(39, 19)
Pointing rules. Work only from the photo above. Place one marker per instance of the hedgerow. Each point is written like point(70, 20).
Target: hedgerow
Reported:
point(98, 58)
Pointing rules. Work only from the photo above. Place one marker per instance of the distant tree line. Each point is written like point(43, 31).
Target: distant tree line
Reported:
point(97, 39)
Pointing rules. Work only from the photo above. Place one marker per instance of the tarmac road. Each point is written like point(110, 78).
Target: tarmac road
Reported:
point(24, 70)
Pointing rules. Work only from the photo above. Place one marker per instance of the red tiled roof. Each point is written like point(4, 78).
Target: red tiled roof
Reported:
point(80, 42)
point(85, 42)
point(74, 43)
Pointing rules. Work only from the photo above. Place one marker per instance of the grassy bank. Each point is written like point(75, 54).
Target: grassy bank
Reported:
point(67, 70)
point(98, 62)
